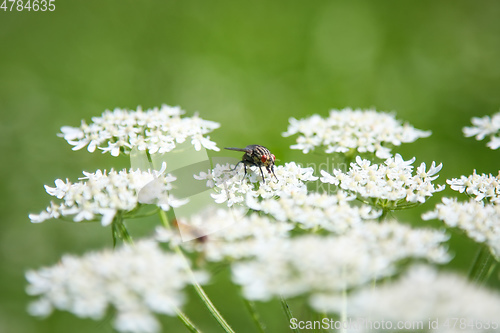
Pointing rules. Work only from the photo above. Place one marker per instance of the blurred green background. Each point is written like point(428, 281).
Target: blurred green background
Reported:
point(249, 65)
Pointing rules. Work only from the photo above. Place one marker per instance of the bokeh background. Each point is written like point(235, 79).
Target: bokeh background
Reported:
point(249, 65)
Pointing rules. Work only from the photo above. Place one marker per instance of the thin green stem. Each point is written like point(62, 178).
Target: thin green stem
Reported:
point(475, 263)
point(199, 290)
point(383, 216)
point(255, 315)
point(482, 266)
point(492, 268)
point(125, 233)
point(185, 320)
point(150, 160)
point(288, 313)
point(119, 230)
point(150, 213)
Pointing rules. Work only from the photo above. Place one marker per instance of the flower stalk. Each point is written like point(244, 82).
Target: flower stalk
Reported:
point(199, 290)
point(288, 312)
point(255, 315)
point(482, 266)
point(188, 323)
point(119, 230)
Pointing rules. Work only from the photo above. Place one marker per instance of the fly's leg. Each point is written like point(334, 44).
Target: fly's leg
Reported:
point(244, 166)
point(237, 166)
point(272, 170)
point(250, 163)
point(262, 174)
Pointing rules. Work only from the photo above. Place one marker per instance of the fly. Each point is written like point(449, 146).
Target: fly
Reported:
point(259, 156)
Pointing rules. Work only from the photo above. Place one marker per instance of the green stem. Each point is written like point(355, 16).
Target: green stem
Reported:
point(125, 234)
point(482, 266)
point(199, 290)
point(288, 312)
point(255, 315)
point(147, 214)
point(150, 160)
point(383, 216)
point(119, 230)
point(492, 268)
point(185, 320)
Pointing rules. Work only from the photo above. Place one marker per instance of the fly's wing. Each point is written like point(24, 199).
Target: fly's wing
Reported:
point(250, 149)
point(245, 150)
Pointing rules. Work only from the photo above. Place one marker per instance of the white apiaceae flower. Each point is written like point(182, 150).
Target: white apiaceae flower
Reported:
point(366, 131)
point(318, 264)
point(226, 233)
point(334, 213)
point(232, 187)
point(479, 186)
point(485, 126)
point(136, 281)
point(480, 221)
point(422, 294)
point(390, 185)
point(101, 195)
point(156, 130)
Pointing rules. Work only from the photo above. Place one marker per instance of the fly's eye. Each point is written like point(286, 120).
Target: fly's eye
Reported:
point(263, 158)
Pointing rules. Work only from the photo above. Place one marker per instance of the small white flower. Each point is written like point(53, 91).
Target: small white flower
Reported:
point(136, 281)
point(232, 187)
point(366, 131)
point(494, 142)
point(101, 195)
point(483, 127)
point(480, 221)
point(330, 212)
point(422, 294)
point(390, 185)
point(156, 130)
point(479, 186)
point(317, 264)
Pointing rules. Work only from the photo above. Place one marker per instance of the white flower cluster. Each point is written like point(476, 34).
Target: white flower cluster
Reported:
point(136, 281)
point(366, 131)
point(387, 185)
point(422, 293)
point(317, 264)
point(156, 130)
point(312, 210)
point(102, 195)
point(483, 127)
point(479, 186)
point(480, 221)
point(237, 235)
point(231, 186)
